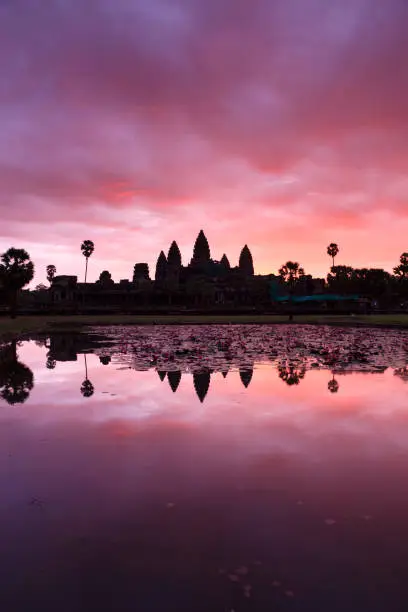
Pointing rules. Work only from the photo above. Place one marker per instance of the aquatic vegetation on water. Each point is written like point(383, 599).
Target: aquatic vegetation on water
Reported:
point(292, 350)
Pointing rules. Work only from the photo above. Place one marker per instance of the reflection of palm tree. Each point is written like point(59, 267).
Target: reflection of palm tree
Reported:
point(402, 373)
point(16, 379)
point(174, 379)
point(50, 363)
point(291, 373)
point(87, 388)
point(105, 359)
point(333, 385)
point(201, 382)
point(245, 375)
point(162, 374)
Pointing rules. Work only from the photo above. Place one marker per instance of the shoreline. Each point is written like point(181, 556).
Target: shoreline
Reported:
point(21, 326)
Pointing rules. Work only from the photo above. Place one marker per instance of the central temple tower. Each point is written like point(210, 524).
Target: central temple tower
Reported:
point(201, 252)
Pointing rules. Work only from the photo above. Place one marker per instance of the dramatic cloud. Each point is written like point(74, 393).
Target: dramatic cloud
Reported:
point(280, 124)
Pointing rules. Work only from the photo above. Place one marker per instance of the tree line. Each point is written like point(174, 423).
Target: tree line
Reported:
point(17, 271)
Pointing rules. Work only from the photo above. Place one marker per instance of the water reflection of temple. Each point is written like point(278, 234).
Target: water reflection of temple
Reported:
point(202, 379)
point(66, 347)
point(201, 382)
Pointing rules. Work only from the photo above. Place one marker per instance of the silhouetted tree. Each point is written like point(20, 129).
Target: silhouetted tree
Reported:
point(51, 272)
point(371, 282)
point(16, 379)
point(201, 381)
point(16, 271)
point(87, 248)
point(174, 379)
point(245, 375)
point(333, 250)
point(291, 273)
point(40, 287)
point(224, 373)
point(339, 279)
point(246, 264)
point(162, 374)
point(401, 271)
point(105, 359)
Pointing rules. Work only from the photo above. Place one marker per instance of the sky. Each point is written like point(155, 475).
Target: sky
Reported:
point(281, 124)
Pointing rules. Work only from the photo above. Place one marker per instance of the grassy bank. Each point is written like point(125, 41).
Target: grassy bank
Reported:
point(30, 324)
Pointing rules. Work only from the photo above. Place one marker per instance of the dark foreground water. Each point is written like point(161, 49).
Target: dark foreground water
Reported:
point(205, 469)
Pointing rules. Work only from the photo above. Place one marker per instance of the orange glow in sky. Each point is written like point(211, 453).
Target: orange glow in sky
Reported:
point(278, 125)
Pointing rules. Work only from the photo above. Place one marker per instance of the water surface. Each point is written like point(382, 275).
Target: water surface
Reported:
point(207, 468)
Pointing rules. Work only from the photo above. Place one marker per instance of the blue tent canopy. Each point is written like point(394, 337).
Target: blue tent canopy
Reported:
point(319, 297)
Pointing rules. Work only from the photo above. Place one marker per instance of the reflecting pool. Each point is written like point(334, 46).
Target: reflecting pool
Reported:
point(205, 468)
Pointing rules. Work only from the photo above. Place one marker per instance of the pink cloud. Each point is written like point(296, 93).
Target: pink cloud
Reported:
point(252, 121)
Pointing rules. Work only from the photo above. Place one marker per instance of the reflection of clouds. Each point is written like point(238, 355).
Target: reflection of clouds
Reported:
point(132, 397)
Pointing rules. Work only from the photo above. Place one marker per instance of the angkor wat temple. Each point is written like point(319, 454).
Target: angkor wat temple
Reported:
point(203, 283)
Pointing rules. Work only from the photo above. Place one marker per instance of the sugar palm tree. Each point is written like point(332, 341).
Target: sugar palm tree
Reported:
point(87, 248)
point(291, 272)
point(333, 250)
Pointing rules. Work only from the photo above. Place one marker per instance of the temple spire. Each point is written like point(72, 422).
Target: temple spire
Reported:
point(161, 267)
point(174, 256)
point(224, 262)
point(246, 264)
point(201, 253)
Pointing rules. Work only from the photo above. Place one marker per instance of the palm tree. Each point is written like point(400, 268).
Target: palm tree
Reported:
point(291, 272)
point(87, 248)
point(333, 250)
point(51, 272)
point(16, 271)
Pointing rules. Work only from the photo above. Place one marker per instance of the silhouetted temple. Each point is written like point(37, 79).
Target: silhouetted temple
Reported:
point(203, 283)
